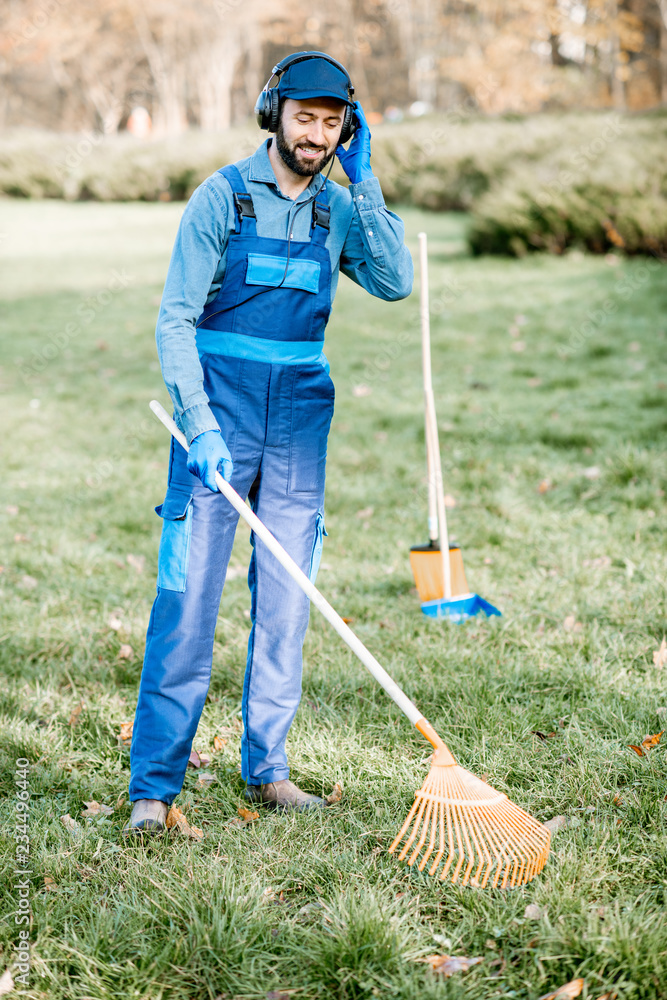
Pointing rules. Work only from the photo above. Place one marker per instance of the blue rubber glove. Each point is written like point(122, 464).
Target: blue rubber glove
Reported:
point(356, 161)
point(209, 454)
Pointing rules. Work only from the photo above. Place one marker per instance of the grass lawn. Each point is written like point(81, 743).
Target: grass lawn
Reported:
point(551, 385)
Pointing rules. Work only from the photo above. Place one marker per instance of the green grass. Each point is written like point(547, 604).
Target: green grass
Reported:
point(314, 904)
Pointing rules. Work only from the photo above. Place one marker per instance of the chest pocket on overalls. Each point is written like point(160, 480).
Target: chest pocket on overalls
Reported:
point(292, 302)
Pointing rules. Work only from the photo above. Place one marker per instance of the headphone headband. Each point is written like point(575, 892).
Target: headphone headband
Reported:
point(267, 107)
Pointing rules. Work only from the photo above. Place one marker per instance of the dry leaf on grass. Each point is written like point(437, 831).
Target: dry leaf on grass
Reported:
point(543, 736)
point(125, 652)
point(566, 992)
point(556, 824)
point(125, 735)
point(447, 965)
point(660, 655)
point(544, 486)
point(197, 759)
point(648, 743)
point(533, 912)
point(71, 824)
point(206, 779)
point(449, 500)
point(336, 795)
point(94, 808)
point(244, 818)
point(176, 820)
point(361, 390)
point(608, 996)
point(571, 624)
point(136, 562)
point(115, 623)
point(11, 509)
point(6, 983)
point(28, 582)
point(49, 883)
point(602, 562)
point(76, 712)
point(219, 743)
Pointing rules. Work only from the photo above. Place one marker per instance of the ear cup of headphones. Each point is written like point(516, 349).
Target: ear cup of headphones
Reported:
point(349, 127)
point(267, 110)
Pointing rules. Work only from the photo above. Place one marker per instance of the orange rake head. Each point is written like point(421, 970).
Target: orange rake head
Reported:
point(479, 835)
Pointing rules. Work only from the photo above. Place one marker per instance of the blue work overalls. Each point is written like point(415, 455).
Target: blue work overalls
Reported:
point(269, 389)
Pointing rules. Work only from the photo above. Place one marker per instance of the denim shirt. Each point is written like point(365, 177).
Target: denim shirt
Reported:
point(365, 242)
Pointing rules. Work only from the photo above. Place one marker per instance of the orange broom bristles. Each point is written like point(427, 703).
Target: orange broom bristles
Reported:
point(475, 830)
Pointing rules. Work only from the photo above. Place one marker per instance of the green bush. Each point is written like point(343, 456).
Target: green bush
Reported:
point(541, 182)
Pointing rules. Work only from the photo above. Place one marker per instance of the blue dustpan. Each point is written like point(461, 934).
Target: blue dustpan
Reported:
point(459, 609)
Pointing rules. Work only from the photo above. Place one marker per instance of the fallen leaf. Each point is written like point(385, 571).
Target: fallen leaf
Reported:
point(348, 621)
point(218, 743)
point(543, 736)
point(194, 760)
point(136, 562)
point(602, 562)
point(556, 823)
point(447, 965)
point(533, 912)
point(336, 795)
point(660, 655)
point(125, 652)
point(566, 992)
point(518, 346)
point(71, 824)
point(608, 996)
point(617, 800)
point(244, 818)
point(28, 582)
point(6, 983)
point(49, 883)
point(21, 538)
point(592, 472)
point(125, 735)
point(76, 712)
point(94, 808)
point(115, 623)
point(651, 742)
point(449, 500)
point(544, 486)
point(570, 624)
point(176, 820)
point(204, 780)
point(11, 509)
point(361, 390)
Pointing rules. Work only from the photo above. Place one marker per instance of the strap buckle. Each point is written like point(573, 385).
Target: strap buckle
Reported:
point(244, 206)
point(321, 214)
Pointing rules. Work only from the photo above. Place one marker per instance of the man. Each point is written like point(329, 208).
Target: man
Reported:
point(240, 336)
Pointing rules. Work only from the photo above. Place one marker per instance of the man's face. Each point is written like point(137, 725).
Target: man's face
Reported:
point(308, 133)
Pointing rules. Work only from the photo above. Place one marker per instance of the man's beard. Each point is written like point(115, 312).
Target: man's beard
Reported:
point(305, 168)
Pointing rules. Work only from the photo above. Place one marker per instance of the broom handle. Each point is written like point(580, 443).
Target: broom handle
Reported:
point(334, 619)
point(435, 485)
point(426, 369)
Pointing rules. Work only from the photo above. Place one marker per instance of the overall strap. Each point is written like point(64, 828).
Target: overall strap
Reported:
point(320, 224)
point(246, 220)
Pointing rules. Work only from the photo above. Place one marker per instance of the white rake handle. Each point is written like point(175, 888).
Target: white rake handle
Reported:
point(334, 619)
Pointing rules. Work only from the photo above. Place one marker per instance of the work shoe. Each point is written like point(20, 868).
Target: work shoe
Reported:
point(148, 816)
point(283, 795)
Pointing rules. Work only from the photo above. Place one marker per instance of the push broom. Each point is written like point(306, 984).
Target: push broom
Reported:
point(457, 820)
point(438, 567)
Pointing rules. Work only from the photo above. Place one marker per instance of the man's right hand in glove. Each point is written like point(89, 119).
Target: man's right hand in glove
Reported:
point(209, 454)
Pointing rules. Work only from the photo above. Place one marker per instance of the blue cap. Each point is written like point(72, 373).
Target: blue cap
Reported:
point(315, 77)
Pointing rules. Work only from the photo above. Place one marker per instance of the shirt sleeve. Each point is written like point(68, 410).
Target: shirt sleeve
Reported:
point(199, 245)
point(374, 254)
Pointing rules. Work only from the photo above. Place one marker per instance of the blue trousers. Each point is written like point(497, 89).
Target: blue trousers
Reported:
point(275, 420)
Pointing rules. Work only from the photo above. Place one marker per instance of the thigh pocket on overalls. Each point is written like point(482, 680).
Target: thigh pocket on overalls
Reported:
point(312, 410)
point(318, 542)
point(174, 554)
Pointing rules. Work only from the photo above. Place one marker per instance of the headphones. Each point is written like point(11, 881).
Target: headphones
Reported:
point(267, 108)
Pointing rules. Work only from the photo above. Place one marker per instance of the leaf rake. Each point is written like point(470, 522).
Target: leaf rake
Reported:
point(455, 813)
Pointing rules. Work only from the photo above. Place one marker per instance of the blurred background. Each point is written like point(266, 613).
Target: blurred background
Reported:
point(544, 119)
